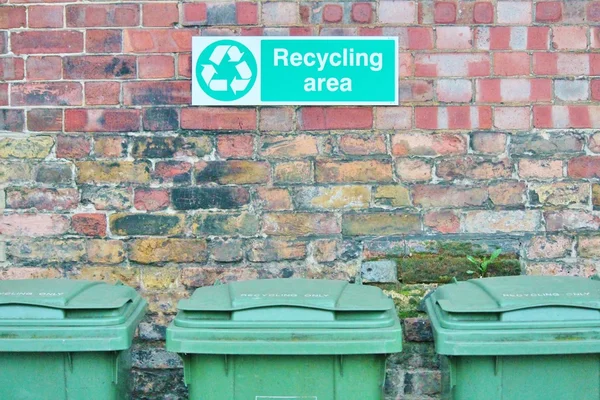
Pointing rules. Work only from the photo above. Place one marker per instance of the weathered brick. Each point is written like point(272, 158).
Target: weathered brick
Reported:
point(445, 12)
point(157, 93)
point(548, 11)
point(47, 173)
point(33, 225)
point(412, 169)
point(276, 119)
point(293, 172)
point(452, 65)
point(232, 172)
point(540, 169)
point(442, 221)
point(554, 246)
point(149, 199)
point(276, 250)
point(160, 119)
point(502, 221)
point(72, 146)
point(508, 193)
point(393, 118)
point(99, 67)
point(27, 147)
point(226, 250)
point(571, 220)
point(213, 118)
point(335, 197)
point(89, 224)
point(288, 146)
point(108, 252)
point(454, 90)
point(30, 273)
point(561, 194)
point(44, 68)
point(41, 119)
point(548, 144)
point(397, 12)
point(178, 172)
point(155, 147)
point(12, 68)
point(47, 94)
point(483, 13)
point(106, 198)
point(244, 224)
point(274, 199)
point(193, 198)
point(319, 118)
point(584, 167)
point(377, 224)
point(102, 93)
point(280, 13)
point(235, 146)
point(588, 246)
point(488, 142)
point(428, 144)
point(146, 224)
point(431, 196)
point(325, 250)
point(45, 16)
point(46, 42)
point(103, 15)
point(194, 14)
point(109, 146)
point(51, 251)
point(514, 12)
point(113, 171)
point(391, 196)
point(474, 168)
point(361, 145)
point(161, 250)
point(353, 171)
point(102, 120)
point(42, 199)
point(300, 224)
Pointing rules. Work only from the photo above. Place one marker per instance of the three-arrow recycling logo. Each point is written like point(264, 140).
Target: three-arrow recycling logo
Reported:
point(226, 70)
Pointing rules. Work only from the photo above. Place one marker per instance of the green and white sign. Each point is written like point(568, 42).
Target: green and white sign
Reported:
point(295, 70)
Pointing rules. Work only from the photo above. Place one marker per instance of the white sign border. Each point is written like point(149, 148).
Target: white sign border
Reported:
point(249, 99)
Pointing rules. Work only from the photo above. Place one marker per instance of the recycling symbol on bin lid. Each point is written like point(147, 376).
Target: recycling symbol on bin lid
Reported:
point(226, 70)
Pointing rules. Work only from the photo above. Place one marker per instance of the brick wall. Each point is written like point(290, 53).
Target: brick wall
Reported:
point(107, 173)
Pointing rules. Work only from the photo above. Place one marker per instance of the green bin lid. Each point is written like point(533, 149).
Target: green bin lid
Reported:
point(517, 315)
point(65, 315)
point(286, 316)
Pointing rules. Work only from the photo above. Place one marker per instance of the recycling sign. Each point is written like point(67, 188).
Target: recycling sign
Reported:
point(294, 71)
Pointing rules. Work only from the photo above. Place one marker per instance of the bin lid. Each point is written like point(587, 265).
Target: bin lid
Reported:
point(531, 310)
point(309, 310)
point(65, 310)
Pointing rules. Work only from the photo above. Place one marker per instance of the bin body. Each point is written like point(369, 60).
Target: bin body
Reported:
point(285, 339)
point(514, 338)
point(66, 340)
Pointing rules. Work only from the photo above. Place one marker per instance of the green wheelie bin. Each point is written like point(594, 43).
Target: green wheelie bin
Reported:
point(518, 338)
point(66, 340)
point(292, 339)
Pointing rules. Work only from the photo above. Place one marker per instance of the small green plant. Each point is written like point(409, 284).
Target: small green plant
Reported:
point(482, 265)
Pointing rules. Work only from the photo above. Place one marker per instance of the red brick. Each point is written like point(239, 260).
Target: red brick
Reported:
point(44, 120)
point(235, 146)
point(44, 68)
point(98, 120)
point(158, 40)
point(511, 64)
point(420, 38)
point(442, 221)
point(194, 14)
point(12, 68)
point(42, 42)
point(548, 11)
point(538, 38)
point(246, 13)
point(584, 167)
point(90, 224)
point(99, 67)
point(151, 199)
point(42, 199)
point(237, 119)
point(159, 66)
point(33, 225)
point(445, 12)
point(593, 11)
point(103, 15)
point(103, 41)
point(301, 31)
point(3, 94)
point(3, 42)
point(569, 37)
point(333, 13)
point(12, 17)
point(102, 93)
point(545, 63)
point(46, 16)
point(12, 120)
point(596, 89)
point(500, 38)
point(289, 146)
point(69, 146)
point(428, 144)
point(160, 14)
point(173, 171)
point(157, 93)
point(324, 118)
point(362, 13)
point(47, 94)
point(483, 13)
point(368, 31)
point(184, 66)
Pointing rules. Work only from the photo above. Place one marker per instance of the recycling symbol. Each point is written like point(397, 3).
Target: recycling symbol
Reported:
point(226, 70)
